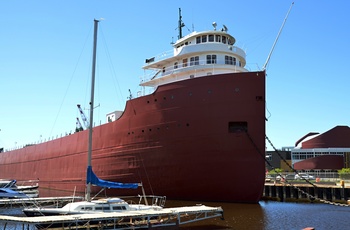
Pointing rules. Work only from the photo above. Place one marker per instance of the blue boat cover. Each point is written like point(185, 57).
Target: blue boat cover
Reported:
point(93, 179)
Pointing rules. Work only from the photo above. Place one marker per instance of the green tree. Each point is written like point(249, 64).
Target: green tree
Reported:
point(344, 173)
point(275, 171)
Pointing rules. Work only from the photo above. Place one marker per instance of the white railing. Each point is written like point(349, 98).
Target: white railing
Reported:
point(160, 56)
point(235, 67)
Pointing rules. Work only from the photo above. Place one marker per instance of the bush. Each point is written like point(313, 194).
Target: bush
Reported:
point(275, 171)
point(344, 173)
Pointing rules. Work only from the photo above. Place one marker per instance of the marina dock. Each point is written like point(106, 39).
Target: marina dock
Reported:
point(165, 217)
point(57, 201)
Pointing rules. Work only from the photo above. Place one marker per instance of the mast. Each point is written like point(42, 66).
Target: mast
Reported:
point(88, 188)
point(181, 24)
point(278, 35)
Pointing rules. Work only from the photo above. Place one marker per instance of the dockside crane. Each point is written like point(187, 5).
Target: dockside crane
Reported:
point(78, 127)
point(83, 117)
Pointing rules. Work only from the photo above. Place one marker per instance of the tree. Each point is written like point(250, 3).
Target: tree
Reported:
point(344, 173)
point(275, 171)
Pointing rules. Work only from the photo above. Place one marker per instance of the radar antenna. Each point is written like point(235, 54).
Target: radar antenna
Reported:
point(278, 35)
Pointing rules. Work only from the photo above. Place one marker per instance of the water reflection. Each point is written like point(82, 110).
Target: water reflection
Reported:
point(275, 215)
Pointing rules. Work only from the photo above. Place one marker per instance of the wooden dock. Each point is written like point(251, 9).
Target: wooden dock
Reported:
point(165, 217)
point(304, 192)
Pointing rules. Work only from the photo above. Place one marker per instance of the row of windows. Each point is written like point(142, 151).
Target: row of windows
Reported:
point(214, 38)
point(211, 59)
point(307, 155)
point(104, 208)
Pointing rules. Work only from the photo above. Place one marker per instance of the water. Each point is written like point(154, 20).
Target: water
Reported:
point(262, 216)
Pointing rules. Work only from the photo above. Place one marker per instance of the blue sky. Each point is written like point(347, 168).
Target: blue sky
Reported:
point(45, 59)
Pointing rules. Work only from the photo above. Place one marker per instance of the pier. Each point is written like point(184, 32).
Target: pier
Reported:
point(306, 193)
point(57, 201)
point(165, 217)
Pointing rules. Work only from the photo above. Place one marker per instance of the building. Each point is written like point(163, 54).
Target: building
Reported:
point(315, 152)
point(278, 159)
point(329, 151)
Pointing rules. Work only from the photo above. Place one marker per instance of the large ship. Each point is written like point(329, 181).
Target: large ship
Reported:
point(198, 135)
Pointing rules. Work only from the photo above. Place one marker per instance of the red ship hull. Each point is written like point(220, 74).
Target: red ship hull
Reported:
point(198, 139)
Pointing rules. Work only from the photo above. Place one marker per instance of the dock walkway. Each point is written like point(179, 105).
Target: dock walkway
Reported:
point(9, 203)
point(120, 220)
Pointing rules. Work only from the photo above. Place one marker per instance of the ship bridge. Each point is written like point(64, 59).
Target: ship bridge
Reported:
point(195, 55)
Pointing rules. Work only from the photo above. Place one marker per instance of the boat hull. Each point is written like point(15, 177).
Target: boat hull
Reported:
point(197, 139)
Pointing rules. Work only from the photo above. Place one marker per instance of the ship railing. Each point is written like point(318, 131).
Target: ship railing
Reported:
point(236, 66)
point(160, 56)
point(153, 200)
point(41, 140)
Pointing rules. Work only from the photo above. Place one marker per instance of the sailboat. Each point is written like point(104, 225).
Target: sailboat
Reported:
point(147, 211)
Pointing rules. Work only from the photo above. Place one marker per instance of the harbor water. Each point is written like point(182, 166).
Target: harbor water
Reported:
point(266, 215)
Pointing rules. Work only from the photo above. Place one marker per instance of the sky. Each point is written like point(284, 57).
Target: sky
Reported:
point(46, 49)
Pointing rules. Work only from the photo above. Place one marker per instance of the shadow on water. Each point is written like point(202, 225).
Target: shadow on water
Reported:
point(236, 216)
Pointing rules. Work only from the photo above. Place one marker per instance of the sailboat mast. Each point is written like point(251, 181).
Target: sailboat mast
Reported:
point(88, 189)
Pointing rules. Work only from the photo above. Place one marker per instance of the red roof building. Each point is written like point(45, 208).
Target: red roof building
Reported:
point(329, 151)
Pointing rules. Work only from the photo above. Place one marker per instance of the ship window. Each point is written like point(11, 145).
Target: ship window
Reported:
point(163, 69)
point(218, 38)
point(237, 126)
point(194, 60)
point(211, 38)
point(211, 59)
point(204, 38)
point(175, 65)
point(224, 39)
point(230, 41)
point(184, 62)
point(230, 60)
point(198, 40)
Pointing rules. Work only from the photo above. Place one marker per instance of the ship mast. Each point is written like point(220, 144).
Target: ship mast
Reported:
point(181, 24)
point(88, 188)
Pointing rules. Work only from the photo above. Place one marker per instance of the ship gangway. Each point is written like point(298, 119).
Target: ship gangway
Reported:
point(149, 219)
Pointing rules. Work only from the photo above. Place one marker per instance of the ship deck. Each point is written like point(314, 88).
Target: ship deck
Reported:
point(118, 220)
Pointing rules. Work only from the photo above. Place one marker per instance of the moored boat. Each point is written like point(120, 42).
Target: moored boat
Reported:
point(26, 189)
point(199, 134)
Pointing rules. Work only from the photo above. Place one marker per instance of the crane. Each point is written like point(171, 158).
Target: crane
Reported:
point(83, 117)
point(79, 127)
